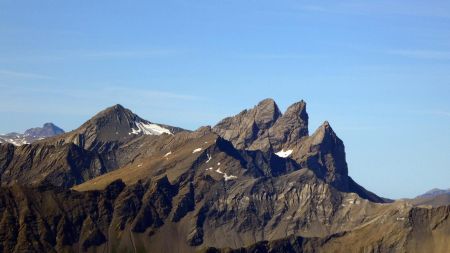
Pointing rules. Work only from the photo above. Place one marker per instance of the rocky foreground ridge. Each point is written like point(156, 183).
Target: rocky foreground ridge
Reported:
point(255, 182)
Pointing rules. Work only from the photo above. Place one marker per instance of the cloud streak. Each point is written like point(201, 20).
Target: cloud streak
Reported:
point(422, 54)
point(92, 55)
point(22, 75)
point(274, 56)
point(121, 54)
point(441, 113)
point(150, 93)
point(436, 9)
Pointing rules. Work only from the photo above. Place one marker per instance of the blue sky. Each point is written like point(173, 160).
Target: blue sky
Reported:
point(379, 71)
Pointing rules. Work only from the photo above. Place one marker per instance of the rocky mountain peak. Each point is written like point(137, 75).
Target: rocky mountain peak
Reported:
point(266, 113)
point(290, 128)
point(113, 126)
point(324, 153)
point(325, 131)
point(264, 127)
point(114, 114)
point(297, 109)
point(246, 127)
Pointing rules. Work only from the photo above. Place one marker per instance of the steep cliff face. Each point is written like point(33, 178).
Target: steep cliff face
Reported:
point(63, 165)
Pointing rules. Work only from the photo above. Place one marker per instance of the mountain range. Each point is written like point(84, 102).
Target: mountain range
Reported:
point(255, 182)
point(31, 135)
point(433, 198)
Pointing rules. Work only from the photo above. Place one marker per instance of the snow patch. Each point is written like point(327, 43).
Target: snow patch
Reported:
point(225, 175)
point(196, 150)
point(209, 158)
point(230, 177)
point(139, 165)
point(168, 153)
point(283, 153)
point(218, 164)
point(149, 129)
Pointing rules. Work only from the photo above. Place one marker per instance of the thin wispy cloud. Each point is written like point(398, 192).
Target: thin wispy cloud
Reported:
point(91, 55)
point(150, 93)
point(422, 54)
point(274, 56)
point(22, 75)
point(441, 113)
point(440, 9)
point(314, 8)
point(358, 128)
point(12, 101)
point(127, 54)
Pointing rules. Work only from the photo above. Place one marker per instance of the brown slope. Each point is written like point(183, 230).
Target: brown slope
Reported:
point(197, 210)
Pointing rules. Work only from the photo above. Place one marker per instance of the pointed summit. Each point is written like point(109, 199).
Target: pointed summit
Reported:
point(324, 153)
point(115, 124)
point(116, 112)
point(266, 113)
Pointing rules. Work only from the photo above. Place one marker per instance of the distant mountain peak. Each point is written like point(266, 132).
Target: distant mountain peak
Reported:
point(434, 192)
point(47, 130)
point(49, 124)
point(31, 135)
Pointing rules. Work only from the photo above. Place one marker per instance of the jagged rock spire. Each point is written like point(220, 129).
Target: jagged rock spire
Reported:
point(264, 127)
